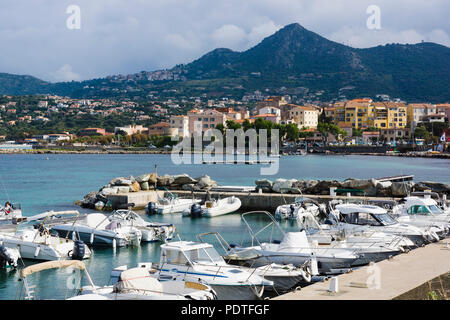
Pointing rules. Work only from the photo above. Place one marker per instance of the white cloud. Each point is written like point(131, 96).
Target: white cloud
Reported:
point(229, 36)
point(262, 31)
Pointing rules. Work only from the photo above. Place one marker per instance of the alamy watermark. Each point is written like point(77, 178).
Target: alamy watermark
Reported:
point(74, 20)
point(374, 279)
point(250, 147)
point(374, 20)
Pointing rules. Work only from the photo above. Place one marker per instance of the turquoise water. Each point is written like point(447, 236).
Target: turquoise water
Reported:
point(55, 182)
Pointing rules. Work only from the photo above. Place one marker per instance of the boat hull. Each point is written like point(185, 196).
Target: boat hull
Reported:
point(236, 292)
point(100, 238)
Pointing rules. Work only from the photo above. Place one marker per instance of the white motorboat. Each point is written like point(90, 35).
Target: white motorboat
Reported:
point(423, 213)
point(151, 231)
point(294, 248)
point(139, 284)
point(284, 277)
point(97, 229)
point(134, 284)
point(194, 261)
point(371, 246)
point(300, 205)
point(214, 208)
point(40, 244)
point(359, 218)
point(10, 213)
point(170, 203)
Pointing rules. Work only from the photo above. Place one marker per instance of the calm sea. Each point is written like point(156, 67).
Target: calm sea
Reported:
point(55, 182)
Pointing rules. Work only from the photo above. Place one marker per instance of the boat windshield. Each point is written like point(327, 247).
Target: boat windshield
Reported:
point(204, 255)
point(385, 219)
point(435, 209)
point(419, 209)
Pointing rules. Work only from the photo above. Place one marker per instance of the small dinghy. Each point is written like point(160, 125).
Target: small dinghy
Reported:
point(169, 204)
point(39, 244)
point(151, 231)
point(300, 206)
point(214, 208)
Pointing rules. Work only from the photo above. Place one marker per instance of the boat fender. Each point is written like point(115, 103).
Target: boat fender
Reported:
point(36, 252)
point(307, 274)
point(91, 240)
point(151, 208)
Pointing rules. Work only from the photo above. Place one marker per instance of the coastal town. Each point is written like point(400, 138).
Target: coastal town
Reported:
point(62, 123)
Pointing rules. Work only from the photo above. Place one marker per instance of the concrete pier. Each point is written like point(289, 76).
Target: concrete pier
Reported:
point(384, 280)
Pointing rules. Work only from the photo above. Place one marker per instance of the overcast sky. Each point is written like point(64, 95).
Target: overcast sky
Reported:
point(128, 36)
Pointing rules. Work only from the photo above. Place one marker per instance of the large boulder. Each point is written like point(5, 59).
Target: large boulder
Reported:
point(439, 187)
point(99, 205)
point(152, 179)
point(121, 181)
point(384, 188)
point(322, 187)
point(145, 186)
point(264, 184)
point(205, 182)
point(283, 185)
point(359, 183)
point(165, 180)
point(122, 189)
point(401, 189)
point(108, 191)
point(89, 200)
point(143, 178)
point(135, 187)
point(368, 185)
point(305, 184)
point(183, 179)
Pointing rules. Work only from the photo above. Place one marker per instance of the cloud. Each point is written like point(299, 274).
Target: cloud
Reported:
point(229, 36)
point(127, 36)
point(364, 38)
point(65, 73)
point(262, 31)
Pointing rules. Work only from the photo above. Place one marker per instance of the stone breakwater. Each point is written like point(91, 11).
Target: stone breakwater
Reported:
point(150, 181)
point(145, 182)
point(371, 187)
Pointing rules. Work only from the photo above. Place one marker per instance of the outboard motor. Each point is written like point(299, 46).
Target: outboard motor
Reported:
point(151, 208)
point(196, 210)
point(291, 213)
point(79, 250)
point(5, 258)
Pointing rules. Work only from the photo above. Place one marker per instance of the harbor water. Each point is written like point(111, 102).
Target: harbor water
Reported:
point(55, 181)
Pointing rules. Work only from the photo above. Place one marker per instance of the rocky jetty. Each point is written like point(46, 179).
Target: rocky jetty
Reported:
point(371, 187)
point(149, 181)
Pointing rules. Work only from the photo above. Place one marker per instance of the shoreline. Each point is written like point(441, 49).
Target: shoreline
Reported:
point(50, 151)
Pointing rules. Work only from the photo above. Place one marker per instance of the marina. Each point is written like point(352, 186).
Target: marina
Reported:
point(231, 226)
